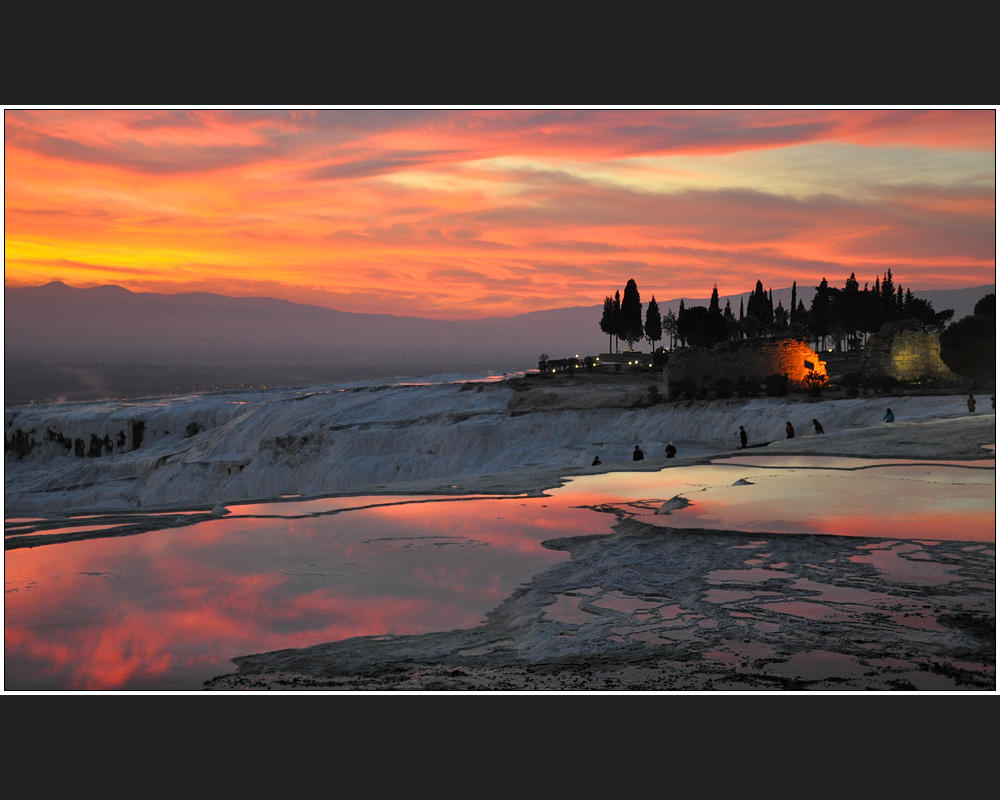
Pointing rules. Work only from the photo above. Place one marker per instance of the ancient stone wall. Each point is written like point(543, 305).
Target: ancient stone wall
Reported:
point(907, 352)
point(745, 358)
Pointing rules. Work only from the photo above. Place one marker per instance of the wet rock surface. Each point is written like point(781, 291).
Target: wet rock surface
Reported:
point(653, 609)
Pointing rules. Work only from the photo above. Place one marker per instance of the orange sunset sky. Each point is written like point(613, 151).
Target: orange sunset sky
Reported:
point(469, 213)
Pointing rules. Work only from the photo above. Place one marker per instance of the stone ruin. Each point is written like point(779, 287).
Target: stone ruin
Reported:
point(745, 358)
point(906, 352)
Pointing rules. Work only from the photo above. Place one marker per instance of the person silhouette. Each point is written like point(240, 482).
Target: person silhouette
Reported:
point(817, 427)
point(596, 461)
point(889, 416)
point(743, 438)
point(671, 450)
point(637, 454)
point(789, 430)
point(972, 404)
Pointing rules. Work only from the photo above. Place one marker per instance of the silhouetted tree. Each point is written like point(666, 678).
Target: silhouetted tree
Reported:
point(631, 321)
point(987, 306)
point(713, 304)
point(968, 347)
point(700, 327)
point(780, 318)
point(821, 313)
point(848, 307)
point(732, 326)
point(654, 323)
point(608, 320)
point(617, 319)
point(670, 327)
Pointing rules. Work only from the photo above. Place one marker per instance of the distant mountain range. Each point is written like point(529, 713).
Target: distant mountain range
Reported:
point(112, 325)
point(58, 322)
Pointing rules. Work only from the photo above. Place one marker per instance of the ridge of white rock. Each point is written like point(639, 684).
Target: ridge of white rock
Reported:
point(222, 448)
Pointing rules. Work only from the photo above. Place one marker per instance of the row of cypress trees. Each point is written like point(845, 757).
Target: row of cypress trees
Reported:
point(848, 315)
point(622, 318)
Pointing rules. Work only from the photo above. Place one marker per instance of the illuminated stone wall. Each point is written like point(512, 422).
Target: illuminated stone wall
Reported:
point(745, 358)
point(906, 352)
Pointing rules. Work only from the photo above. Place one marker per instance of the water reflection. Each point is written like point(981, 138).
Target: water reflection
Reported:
point(950, 501)
point(168, 609)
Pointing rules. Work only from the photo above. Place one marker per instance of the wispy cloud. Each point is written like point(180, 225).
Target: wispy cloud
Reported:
point(459, 213)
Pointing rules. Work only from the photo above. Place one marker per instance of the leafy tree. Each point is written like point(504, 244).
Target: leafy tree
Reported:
point(780, 318)
point(617, 323)
point(888, 291)
point(608, 320)
point(713, 304)
point(968, 347)
point(849, 307)
point(822, 313)
point(670, 327)
point(700, 327)
point(654, 323)
point(987, 306)
point(631, 321)
point(732, 326)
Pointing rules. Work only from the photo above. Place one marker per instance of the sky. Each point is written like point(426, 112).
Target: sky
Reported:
point(457, 214)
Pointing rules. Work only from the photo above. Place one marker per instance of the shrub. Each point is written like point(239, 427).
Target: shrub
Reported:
point(885, 383)
point(776, 385)
point(748, 387)
point(685, 387)
point(852, 380)
point(723, 388)
point(814, 383)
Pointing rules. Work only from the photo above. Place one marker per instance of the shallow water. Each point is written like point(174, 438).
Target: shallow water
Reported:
point(168, 609)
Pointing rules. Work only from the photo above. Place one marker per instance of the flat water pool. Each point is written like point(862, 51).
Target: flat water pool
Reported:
point(167, 610)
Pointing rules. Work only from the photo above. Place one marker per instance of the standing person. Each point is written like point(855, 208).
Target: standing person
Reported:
point(817, 427)
point(972, 404)
point(889, 416)
point(671, 450)
point(637, 454)
point(789, 430)
point(743, 438)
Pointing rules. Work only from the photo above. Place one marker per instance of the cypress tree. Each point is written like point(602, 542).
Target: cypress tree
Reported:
point(617, 318)
point(654, 323)
point(608, 319)
point(631, 327)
